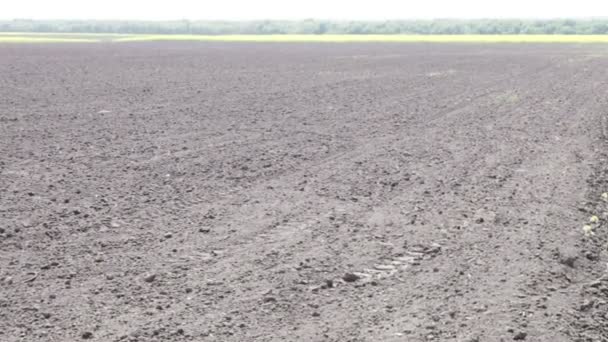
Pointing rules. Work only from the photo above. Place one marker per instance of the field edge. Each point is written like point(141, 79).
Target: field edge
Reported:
point(20, 37)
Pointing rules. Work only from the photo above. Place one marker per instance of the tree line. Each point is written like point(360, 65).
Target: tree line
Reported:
point(439, 26)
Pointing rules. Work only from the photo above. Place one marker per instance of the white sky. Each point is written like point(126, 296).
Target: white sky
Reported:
point(300, 9)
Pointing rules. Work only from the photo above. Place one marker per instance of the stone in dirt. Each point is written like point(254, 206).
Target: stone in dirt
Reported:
point(567, 256)
point(520, 336)
point(433, 248)
point(381, 267)
point(591, 256)
point(269, 300)
point(150, 278)
point(587, 305)
point(568, 261)
point(350, 277)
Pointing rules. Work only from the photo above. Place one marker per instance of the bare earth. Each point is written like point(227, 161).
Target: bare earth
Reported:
point(302, 192)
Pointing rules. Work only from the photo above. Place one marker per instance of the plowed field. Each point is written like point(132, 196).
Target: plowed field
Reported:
point(303, 192)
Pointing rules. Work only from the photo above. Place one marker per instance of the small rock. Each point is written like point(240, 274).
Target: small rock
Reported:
point(591, 257)
point(46, 315)
point(433, 248)
point(568, 260)
point(168, 235)
point(520, 336)
point(204, 230)
point(596, 283)
point(269, 300)
point(87, 335)
point(150, 278)
point(381, 267)
point(587, 305)
point(480, 308)
point(350, 277)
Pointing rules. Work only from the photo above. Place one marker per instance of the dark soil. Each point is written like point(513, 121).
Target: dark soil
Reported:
point(285, 192)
